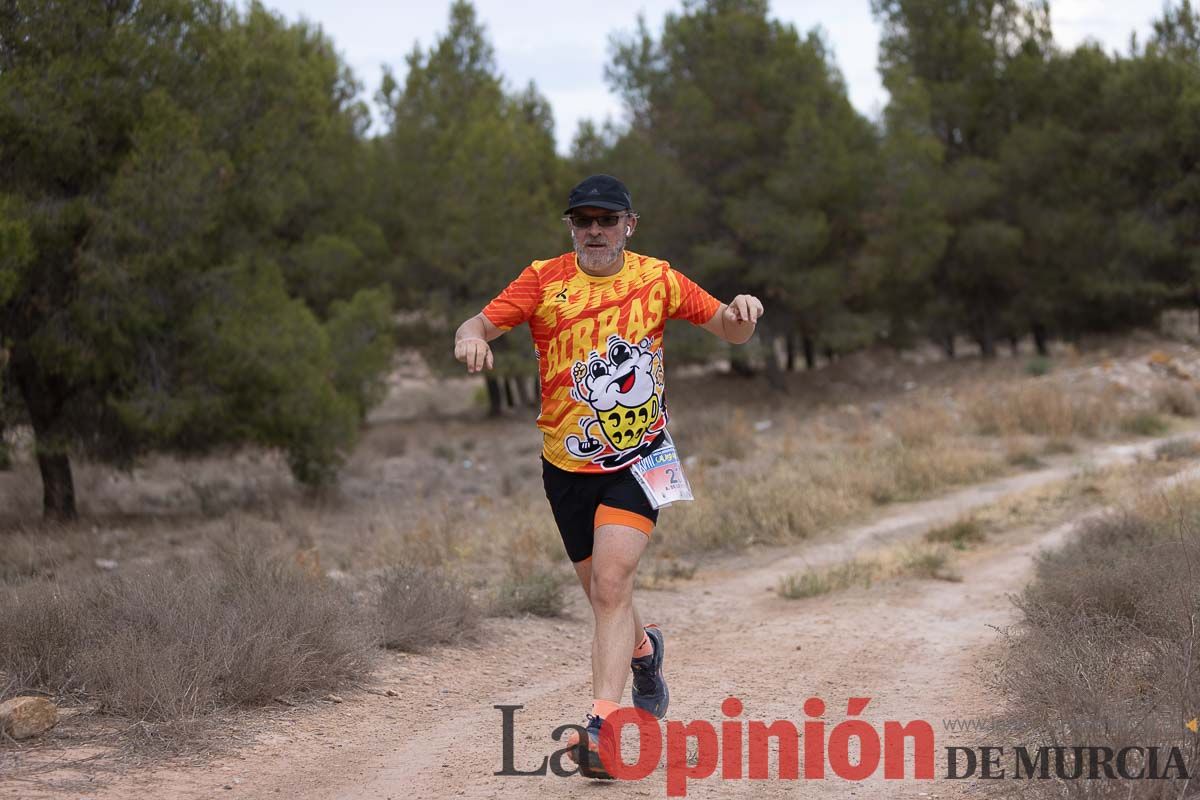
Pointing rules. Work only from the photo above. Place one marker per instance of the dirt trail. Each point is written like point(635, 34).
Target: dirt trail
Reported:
point(915, 648)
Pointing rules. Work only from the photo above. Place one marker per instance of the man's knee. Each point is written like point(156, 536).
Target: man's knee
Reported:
point(611, 588)
point(615, 559)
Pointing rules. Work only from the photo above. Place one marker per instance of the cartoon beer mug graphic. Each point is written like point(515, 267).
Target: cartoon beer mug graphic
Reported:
point(623, 390)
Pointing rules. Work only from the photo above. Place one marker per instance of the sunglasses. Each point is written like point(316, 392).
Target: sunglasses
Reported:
point(605, 220)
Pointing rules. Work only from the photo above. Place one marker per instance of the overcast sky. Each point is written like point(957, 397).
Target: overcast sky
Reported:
point(563, 47)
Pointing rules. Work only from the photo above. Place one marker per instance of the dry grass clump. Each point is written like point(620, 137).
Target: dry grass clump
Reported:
point(1106, 650)
point(915, 472)
point(420, 607)
point(1040, 409)
point(662, 573)
point(1144, 423)
point(533, 584)
point(1178, 398)
point(814, 582)
point(800, 585)
point(32, 554)
point(824, 485)
point(906, 561)
point(958, 534)
point(159, 486)
point(385, 441)
point(918, 426)
point(734, 511)
point(436, 535)
point(721, 433)
point(529, 535)
point(42, 636)
point(1178, 449)
point(1095, 578)
point(1050, 504)
point(926, 561)
point(1058, 447)
point(20, 493)
point(531, 590)
point(1022, 452)
point(466, 532)
point(180, 641)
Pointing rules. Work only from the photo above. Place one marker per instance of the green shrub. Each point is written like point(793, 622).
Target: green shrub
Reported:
point(1144, 423)
point(1038, 366)
point(959, 534)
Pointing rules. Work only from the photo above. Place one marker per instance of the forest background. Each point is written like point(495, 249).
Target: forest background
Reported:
point(204, 242)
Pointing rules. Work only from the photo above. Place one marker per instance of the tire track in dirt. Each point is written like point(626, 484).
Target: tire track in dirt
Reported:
point(914, 647)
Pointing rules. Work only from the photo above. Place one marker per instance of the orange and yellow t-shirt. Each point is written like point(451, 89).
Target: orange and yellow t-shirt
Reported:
point(599, 346)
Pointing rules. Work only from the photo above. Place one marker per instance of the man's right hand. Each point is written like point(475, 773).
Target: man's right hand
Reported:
point(475, 353)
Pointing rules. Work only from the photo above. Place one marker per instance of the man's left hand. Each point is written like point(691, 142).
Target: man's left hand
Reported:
point(744, 308)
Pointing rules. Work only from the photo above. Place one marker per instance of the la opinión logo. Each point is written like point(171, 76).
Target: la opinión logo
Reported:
point(695, 750)
point(740, 749)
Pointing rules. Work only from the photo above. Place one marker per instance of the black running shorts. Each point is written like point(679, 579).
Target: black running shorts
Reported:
point(583, 501)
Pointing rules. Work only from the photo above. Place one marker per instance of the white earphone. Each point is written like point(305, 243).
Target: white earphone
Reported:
point(628, 230)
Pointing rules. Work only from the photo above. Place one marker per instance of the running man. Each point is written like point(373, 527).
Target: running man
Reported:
point(597, 316)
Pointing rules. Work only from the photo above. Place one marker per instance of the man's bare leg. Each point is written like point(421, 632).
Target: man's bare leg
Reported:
point(615, 555)
point(583, 569)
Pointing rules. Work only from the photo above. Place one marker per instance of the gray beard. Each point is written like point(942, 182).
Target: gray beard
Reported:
point(595, 260)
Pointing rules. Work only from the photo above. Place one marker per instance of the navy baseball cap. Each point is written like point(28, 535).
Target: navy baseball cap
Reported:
point(601, 191)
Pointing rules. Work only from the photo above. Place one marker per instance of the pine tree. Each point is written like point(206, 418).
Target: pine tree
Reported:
point(161, 154)
point(472, 185)
point(758, 168)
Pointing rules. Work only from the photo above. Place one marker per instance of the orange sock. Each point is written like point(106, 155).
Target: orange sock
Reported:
point(643, 649)
point(602, 708)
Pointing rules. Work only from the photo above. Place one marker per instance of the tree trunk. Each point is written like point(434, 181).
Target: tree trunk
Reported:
point(58, 487)
point(1039, 339)
point(44, 406)
point(510, 396)
point(774, 374)
point(775, 378)
point(493, 393)
point(987, 343)
point(739, 366)
point(810, 353)
point(830, 356)
point(948, 345)
point(791, 352)
point(524, 392)
point(1015, 344)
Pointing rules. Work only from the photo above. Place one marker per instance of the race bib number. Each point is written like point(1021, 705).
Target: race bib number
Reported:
point(661, 476)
